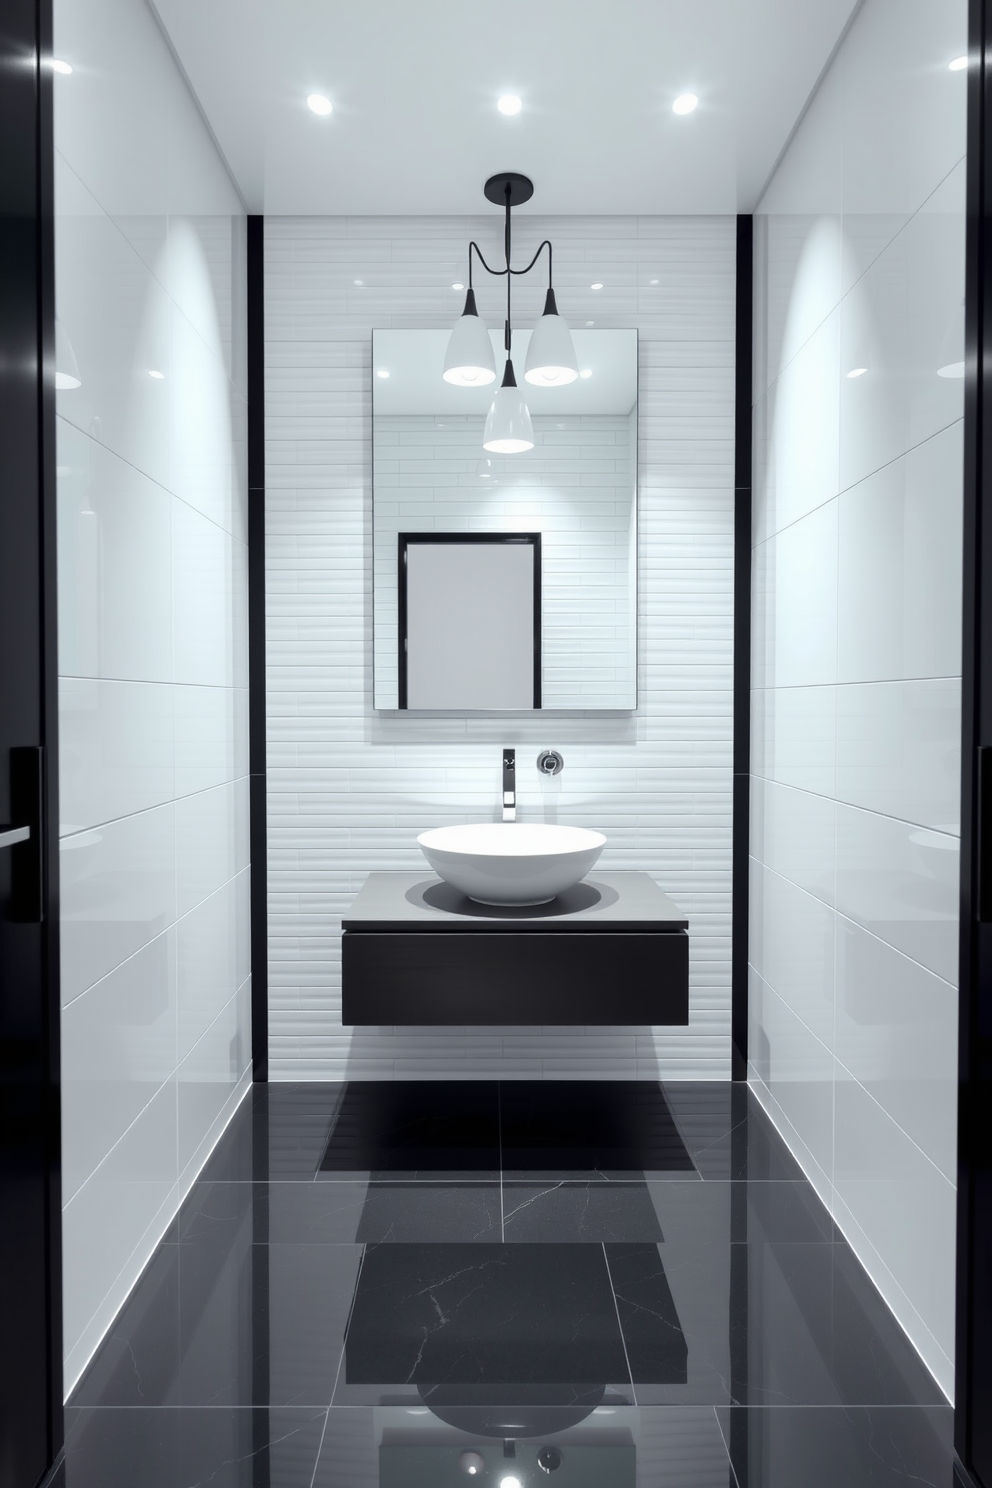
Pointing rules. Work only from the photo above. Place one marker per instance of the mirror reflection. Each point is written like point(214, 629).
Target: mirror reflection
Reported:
point(504, 582)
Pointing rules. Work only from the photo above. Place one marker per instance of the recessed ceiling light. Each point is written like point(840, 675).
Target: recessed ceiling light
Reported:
point(64, 68)
point(654, 281)
point(857, 372)
point(958, 64)
point(590, 322)
point(158, 376)
point(458, 286)
point(358, 282)
point(510, 1481)
point(382, 372)
point(586, 372)
point(509, 104)
point(319, 104)
point(685, 103)
point(597, 285)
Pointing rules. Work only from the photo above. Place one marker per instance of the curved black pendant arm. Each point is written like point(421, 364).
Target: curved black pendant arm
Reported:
point(499, 273)
point(545, 244)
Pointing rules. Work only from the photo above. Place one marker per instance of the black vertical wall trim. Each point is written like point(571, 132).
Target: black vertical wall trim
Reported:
point(742, 643)
point(50, 712)
point(30, 1127)
point(973, 1350)
point(256, 649)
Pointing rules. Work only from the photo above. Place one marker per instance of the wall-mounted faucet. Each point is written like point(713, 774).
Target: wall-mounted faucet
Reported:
point(509, 785)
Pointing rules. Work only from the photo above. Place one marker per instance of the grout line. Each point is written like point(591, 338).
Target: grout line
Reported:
point(499, 1135)
point(320, 1446)
point(616, 1309)
point(173, 800)
point(162, 933)
point(804, 790)
point(862, 480)
point(855, 924)
point(726, 1444)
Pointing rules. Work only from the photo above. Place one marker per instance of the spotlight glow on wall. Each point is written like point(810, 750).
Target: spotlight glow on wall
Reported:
point(319, 104)
point(509, 104)
point(953, 369)
point(64, 68)
point(66, 367)
point(158, 376)
point(382, 372)
point(958, 64)
point(685, 103)
point(857, 372)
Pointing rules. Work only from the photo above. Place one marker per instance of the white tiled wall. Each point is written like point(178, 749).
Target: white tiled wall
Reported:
point(856, 649)
point(576, 490)
point(349, 789)
point(152, 658)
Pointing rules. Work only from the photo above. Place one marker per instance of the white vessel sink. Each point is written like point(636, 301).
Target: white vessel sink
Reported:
point(511, 863)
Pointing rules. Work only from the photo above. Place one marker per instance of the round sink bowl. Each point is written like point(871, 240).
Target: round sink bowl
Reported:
point(511, 863)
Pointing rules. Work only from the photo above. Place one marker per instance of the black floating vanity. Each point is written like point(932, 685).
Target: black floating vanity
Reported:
point(612, 950)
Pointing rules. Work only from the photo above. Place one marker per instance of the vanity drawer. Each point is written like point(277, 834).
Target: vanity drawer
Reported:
point(505, 977)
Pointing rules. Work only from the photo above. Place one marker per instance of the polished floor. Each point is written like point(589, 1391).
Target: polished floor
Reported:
point(603, 1283)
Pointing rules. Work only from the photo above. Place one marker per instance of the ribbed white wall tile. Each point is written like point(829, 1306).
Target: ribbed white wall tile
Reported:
point(349, 789)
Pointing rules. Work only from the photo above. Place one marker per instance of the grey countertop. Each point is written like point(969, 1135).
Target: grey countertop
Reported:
point(422, 901)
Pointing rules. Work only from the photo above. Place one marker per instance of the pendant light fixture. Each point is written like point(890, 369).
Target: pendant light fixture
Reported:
point(509, 430)
point(469, 360)
point(551, 355)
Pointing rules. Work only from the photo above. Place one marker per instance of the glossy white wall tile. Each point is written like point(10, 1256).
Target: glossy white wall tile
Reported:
point(350, 789)
point(117, 886)
point(152, 643)
point(856, 606)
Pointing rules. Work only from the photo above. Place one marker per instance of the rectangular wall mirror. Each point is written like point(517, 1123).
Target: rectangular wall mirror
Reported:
point(504, 582)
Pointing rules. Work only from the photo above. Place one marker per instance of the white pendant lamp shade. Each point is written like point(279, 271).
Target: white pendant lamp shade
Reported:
point(551, 360)
point(509, 430)
point(469, 360)
point(66, 368)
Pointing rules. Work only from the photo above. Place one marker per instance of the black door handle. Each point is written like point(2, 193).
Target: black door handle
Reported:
point(26, 904)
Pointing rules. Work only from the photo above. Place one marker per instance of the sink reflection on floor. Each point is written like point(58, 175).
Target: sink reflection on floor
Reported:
point(371, 1280)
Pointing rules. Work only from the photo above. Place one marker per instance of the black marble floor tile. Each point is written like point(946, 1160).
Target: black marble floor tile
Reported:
point(724, 1211)
point(769, 1324)
point(431, 1129)
point(859, 1447)
point(482, 1315)
point(170, 1448)
point(412, 1213)
point(229, 1326)
point(653, 1336)
point(588, 1127)
point(309, 1213)
point(566, 1212)
point(616, 1446)
point(727, 1133)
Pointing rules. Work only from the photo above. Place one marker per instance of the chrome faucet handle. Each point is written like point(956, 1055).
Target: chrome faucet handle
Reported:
point(550, 762)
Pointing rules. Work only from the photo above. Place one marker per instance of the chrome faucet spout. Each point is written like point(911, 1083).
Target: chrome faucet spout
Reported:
point(509, 785)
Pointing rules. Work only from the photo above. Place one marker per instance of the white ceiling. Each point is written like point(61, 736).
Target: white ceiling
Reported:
point(414, 85)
